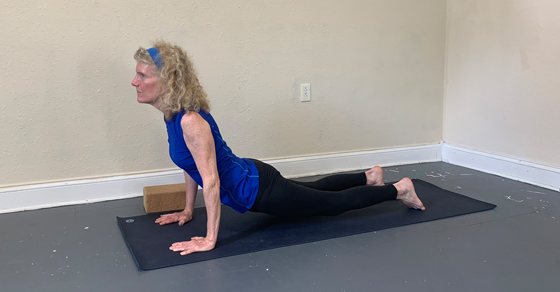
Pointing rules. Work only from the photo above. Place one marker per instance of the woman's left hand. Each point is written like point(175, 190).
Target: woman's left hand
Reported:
point(196, 244)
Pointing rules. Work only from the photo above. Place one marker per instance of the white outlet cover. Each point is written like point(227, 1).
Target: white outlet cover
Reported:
point(305, 92)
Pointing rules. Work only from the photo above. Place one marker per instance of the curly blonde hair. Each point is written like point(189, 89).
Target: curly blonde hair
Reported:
point(179, 85)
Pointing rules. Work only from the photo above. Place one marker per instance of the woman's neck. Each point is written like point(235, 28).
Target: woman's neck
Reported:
point(158, 104)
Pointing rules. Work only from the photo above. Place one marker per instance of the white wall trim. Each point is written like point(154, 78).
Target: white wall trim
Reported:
point(83, 191)
point(74, 192)
point(524, 171)
point(338, 162)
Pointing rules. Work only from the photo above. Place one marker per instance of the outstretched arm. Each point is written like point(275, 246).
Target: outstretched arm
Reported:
point(200, 142)
point(186, 215)
point(192, 190)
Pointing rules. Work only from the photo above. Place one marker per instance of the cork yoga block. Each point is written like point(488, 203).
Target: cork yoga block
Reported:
point(164, 198)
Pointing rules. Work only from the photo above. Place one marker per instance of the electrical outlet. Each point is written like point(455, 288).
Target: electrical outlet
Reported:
point(305, 92)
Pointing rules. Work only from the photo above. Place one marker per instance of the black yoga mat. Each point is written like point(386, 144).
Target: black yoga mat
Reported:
point(253, 232)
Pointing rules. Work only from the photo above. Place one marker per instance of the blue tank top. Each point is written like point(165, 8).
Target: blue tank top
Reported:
point(239, 177)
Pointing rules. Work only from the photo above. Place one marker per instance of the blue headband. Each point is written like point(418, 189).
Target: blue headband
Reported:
point(155, 56)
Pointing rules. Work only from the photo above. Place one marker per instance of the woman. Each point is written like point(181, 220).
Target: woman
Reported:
point(165, 78)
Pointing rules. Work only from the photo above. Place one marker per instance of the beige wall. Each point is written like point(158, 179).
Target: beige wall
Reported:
point(68, 111)
point(503, 78)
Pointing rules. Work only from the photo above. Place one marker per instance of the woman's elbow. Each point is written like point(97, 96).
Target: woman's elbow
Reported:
point(212, 183)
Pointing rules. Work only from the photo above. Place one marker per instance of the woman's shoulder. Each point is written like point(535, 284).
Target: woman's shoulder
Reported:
point(193, 118)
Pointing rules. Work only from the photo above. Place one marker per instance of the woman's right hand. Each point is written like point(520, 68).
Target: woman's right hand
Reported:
point(181, 217)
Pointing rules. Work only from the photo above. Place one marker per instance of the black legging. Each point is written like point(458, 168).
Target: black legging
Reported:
point(330, 196)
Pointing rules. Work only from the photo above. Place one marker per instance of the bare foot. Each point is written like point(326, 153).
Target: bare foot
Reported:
point(407, 194)
point(375, 176)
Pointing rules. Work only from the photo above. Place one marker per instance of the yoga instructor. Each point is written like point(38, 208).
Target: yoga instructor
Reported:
point(165, 78)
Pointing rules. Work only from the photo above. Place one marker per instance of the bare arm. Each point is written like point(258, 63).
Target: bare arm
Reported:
point(200, 142)
point(192, 189)
point(186, 215)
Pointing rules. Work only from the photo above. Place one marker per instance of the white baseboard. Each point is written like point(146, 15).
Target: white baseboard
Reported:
point(329, 163)
point(74, 192)
point(120, 187)
point(532, 173)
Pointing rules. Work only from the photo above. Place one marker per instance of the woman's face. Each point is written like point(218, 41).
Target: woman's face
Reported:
point(146, 83)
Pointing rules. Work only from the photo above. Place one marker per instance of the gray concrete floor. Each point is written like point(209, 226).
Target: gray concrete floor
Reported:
point(515, 247)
